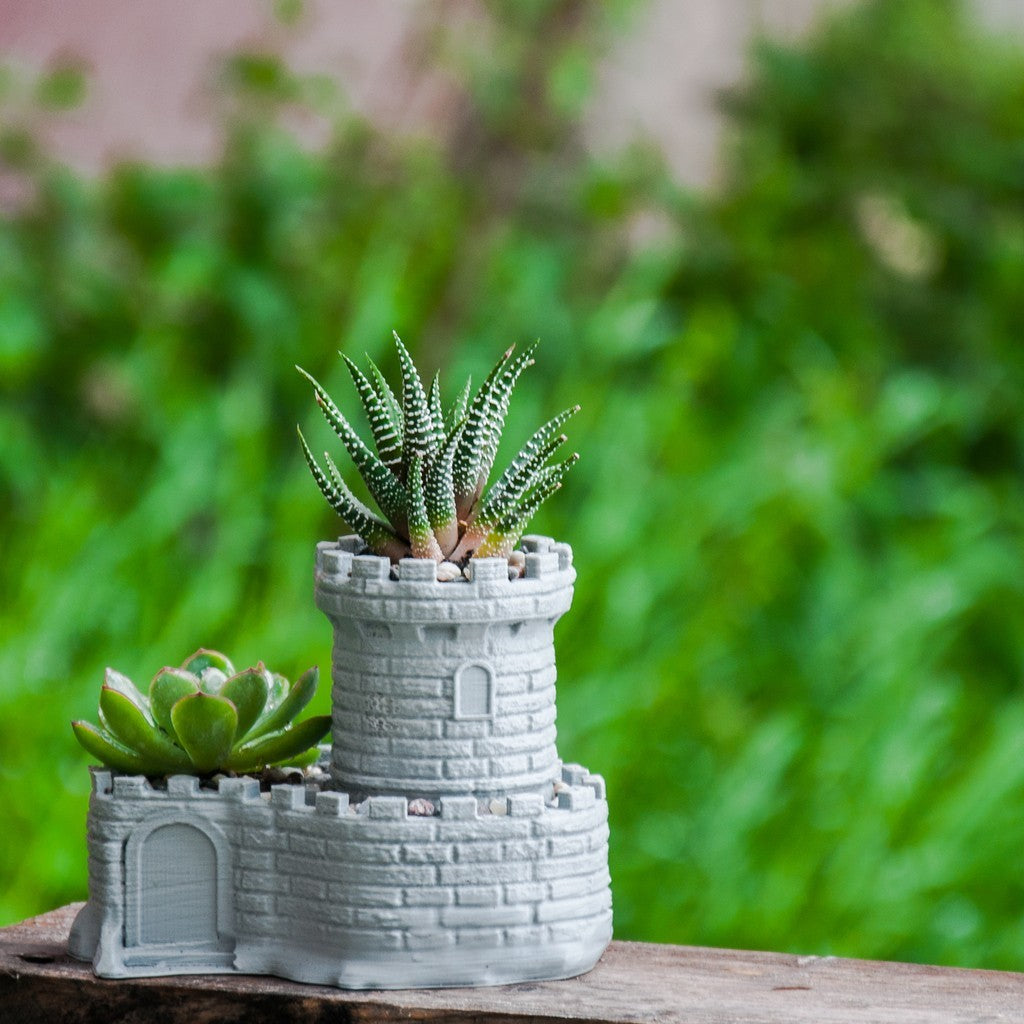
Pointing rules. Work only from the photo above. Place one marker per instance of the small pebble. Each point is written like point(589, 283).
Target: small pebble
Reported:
point(561, 787)
point(498, 806)
point(394, 572)
point(514, 572)
point(421, 808)
point(518, 559)
point(448, 571)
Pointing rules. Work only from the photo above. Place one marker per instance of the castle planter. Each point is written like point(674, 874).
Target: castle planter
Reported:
point(452, 847)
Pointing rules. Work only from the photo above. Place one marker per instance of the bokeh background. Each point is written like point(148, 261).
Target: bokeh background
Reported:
point(776, 250)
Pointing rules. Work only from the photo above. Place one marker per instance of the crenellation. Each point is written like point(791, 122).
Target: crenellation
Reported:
point(418, 570)
point(243, 790)
point(541, 565)
point(182, 786)
point(132, 787)
point(331, 804)
point(458, 807)
point(387, 807)
point(370, 568)
point(576, 798)
point(288, 798)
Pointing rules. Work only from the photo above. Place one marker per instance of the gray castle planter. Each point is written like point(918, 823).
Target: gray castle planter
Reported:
point(443, 698)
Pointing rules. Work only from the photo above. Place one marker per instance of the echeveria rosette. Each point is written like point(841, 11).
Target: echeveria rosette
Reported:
point(430, 470)
point(204, 717)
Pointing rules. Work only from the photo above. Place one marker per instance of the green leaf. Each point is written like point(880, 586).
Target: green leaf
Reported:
point(440, 496)
point(248, 691)
point(386, 489)
point(380, 537)
point(421, 536)
point(457, 412)
point(118, 681)
point(278, 747)
point(169, 685)
point(205, 658)
point(108, 751)
point(206, 727)
point(129, 726)
point(419, 424)
point(300, 694)
point(385, 427)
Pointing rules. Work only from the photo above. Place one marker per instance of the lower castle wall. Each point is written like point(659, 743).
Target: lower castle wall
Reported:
point(371, 896)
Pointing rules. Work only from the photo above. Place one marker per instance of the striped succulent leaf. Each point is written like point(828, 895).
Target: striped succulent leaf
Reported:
point(387, 491)
point(430, 477)
point(418, 441)
point(385, 426)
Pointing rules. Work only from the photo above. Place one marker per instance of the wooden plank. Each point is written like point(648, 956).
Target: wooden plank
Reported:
point(634, 982)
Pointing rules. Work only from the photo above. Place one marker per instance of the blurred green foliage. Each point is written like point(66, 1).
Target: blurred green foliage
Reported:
point(794, 650)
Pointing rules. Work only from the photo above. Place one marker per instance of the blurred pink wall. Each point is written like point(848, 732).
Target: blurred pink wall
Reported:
point(150, 61)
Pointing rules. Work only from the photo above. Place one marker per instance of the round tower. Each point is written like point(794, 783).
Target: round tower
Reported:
point(443, 688)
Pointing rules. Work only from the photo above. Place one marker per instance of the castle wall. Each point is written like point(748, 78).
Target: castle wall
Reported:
point(368, 895)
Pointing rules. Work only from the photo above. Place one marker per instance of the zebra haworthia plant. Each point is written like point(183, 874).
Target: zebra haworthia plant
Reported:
point(431, 467)
point(204, 717)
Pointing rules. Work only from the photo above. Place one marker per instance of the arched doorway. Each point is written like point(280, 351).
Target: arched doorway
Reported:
point(177, 892)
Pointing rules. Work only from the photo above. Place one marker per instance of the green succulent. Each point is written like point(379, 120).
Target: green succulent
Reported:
point(431, 467)
point(204, 717)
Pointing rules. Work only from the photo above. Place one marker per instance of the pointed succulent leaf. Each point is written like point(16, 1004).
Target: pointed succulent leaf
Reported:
point(437, 433)
point(206, 726)
point(387, 396)
point(520, 478)
point(386, 429)
point(421, 536)
point(288, 709)
point(532, 455)
point(467, 456)
point(129, 726)
point(248, 691)
point(370, 527)
point(419, 425)
point(496, 423)
point(205, 658)
point(386, 489)
point(279, 747)
point(439, 495)
point(108, 751)
point(457, 412)
point(379, 535)
point(506, 533)
point(169, 685)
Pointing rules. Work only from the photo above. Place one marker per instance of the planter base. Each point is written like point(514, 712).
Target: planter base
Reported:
point(308, 887)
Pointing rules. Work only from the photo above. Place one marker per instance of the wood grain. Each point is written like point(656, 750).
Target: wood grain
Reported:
point(634, 982)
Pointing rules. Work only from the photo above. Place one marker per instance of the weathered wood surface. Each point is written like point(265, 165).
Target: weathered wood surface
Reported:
point(634, 982)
